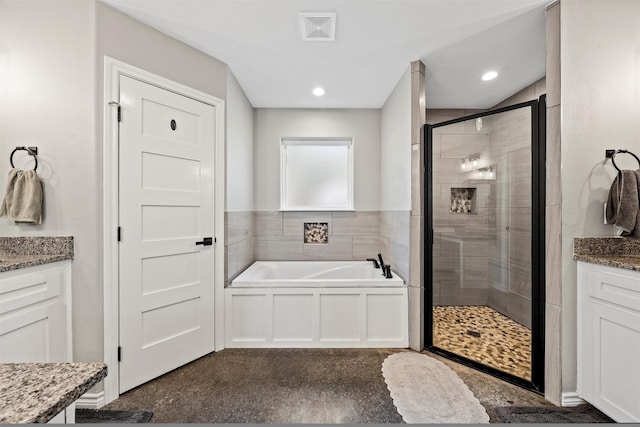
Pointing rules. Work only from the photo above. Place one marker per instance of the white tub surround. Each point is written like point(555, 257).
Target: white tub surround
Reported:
point(322, 304)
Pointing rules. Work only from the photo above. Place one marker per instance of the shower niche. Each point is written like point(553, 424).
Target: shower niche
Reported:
point(484, 272)
point(463, 200)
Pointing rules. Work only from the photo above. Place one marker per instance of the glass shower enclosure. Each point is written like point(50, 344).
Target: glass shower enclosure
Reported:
point(484, 241)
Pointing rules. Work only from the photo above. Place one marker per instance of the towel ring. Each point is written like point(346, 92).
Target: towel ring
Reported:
point(33, 151)
point(622, 151)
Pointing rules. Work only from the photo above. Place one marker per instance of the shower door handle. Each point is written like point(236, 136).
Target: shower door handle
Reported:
point(206, 241)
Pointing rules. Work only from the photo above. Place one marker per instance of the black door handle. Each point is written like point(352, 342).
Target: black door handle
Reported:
point(206, 241)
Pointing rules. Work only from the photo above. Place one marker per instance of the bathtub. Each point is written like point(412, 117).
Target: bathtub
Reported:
point(324, 304)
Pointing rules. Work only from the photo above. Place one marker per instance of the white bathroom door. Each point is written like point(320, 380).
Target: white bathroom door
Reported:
point(166, 195)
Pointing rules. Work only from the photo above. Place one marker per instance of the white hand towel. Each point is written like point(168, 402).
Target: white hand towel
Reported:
point(23, 198)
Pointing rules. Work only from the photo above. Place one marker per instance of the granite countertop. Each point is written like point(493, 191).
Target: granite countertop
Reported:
point(22, 252)
point(37, 392)
point(610, 251)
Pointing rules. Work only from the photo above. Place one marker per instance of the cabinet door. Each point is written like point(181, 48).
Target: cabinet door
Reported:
point(33, 314)
point(610, 336)
point(33, 335)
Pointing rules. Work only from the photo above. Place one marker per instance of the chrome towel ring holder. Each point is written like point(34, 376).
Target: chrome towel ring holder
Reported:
point(32, 151)
point(611, 154)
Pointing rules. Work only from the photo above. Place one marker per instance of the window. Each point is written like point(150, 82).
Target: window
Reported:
point(316, 174)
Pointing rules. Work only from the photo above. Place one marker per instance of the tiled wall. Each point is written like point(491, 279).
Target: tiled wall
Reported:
point(240, 242)
point(394, 240)
point(279, 236)
point(461, 240)
point(510, 222)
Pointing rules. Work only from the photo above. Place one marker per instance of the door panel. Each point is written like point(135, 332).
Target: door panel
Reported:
point(482, 208)
point(166, 204)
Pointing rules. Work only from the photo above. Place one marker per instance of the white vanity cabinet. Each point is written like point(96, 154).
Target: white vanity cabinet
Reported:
point(609, 340)
point(35, 308)
point(35, 318)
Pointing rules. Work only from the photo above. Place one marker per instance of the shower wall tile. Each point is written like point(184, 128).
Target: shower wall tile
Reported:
point(417, 185)
point(520, 280)
point(451, 294)
point(553, 55)
point(339, 248)
point(447, 269)
point(416, 252)
point(352, 236)
point(520, 250)
point(498, 300)
point(552, 351)
point(447, 171)
point(520, 221)
point(293, 222)
point(519, 309)
point(553, 156)
point(436, 293)
point(279, 248)
point(246, 253)
point(462, 146)
point(366, 247)
point(476, 272)
point(359, 223)
point(476, 247)
point(231, 262)
point(395, 240)
point(239, 235)
point(416, 318)
point(268, 223)
point(553, 273)
point(239, 226)
point(499, 275)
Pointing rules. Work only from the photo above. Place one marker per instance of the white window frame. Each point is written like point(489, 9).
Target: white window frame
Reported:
point(347, 142)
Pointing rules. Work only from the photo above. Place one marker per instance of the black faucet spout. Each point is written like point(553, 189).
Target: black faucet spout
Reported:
point(374, 261)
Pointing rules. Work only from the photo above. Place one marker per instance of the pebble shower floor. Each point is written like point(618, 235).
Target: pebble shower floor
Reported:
point(482, 334)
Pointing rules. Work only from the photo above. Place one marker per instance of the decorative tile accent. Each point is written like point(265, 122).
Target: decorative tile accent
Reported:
point(316, 233)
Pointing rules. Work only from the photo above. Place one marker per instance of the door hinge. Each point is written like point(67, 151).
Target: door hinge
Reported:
point(117, 104)
point(432, 237)
point(119, 233)
point(119, 354)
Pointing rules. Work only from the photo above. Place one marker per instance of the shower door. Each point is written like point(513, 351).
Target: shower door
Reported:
point(484, 272)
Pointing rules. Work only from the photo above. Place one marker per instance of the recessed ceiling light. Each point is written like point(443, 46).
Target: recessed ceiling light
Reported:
point(318, 91)
point(489, 75)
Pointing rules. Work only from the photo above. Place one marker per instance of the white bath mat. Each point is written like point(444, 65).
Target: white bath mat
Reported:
point(426, 391)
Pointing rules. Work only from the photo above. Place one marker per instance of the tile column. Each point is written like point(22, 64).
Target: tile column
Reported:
point(416, 244)
point(553, 274)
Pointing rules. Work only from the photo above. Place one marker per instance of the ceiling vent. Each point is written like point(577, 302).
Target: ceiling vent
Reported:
point(318, 26)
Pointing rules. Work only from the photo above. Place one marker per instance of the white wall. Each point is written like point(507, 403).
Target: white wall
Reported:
point(395, 164)
point(47, 99)
point(600, 73)
point(239, 163)
point(272, 124)
point(51, 84)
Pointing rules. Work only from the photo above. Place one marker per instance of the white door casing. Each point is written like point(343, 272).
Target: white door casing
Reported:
point(166, 206)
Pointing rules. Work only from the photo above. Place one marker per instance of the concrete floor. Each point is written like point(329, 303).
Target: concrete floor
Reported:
point(294, 386)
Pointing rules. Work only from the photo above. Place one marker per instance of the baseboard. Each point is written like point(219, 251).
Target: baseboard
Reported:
point(91, 400)
point(571, 399)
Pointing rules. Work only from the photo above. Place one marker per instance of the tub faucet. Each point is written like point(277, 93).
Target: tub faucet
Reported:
point(375, 262)
point(381, 262)
point(386, 271)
